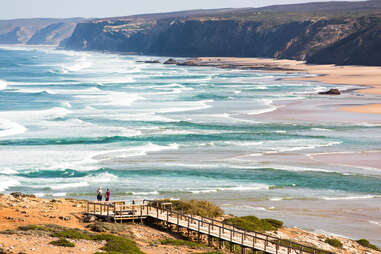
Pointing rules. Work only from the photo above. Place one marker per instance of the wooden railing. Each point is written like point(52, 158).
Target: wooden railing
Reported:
point(201, 225)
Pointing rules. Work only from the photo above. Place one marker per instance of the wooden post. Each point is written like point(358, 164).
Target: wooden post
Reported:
point(157, 211)
point(267, 238)
point(87, 207)
point(277, 246)
point(198, 230)
point(114, 213)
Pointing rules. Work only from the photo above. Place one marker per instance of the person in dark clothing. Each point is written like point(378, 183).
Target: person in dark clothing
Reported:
point(107, 195)
point(99, 194)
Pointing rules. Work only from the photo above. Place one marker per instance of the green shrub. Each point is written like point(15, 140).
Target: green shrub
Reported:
point(212, 252)
point(315, 250)
point(63, 243)
point(334, 242)
point(121, 245)
point(194, 207)
point(33, 227)
point(73, 234)
point(275, 223)
point(251, 223)
point(367, 244)
point(177, 242)
point(108, 252)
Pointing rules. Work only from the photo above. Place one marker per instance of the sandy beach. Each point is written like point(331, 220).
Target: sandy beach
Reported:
point(367, 76)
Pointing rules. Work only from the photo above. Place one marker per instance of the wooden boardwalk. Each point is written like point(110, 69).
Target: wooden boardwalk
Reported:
point(119, 211)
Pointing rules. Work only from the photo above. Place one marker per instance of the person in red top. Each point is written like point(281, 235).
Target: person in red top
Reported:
point(107, 195)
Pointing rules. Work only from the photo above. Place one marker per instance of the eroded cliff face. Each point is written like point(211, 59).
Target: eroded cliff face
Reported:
point(317, 40)
point(36, 31)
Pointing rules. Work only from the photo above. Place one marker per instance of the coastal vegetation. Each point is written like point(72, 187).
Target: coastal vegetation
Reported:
point(367, 244)
point(180, 242)
point(114, 244)
point(193, 207)
point(62, 242)
point(334, 242)
point(252, 223)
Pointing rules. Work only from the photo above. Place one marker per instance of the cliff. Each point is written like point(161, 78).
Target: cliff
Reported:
point(347, 34)
point(36, 31)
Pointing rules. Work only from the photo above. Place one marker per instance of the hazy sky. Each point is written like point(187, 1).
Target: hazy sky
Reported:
point(106, 8)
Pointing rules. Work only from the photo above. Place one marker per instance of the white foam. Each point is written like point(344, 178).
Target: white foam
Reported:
point(265, 102)
point(378, 223)
point(69, 185)
point(243, 143)
point(248, 188)
point(66, 104)
point(300, 169)
point(3, 84)
point(59, 194)
point(186, 106)
point(133, 151)
point(351, 197)
point(102, 178)
point(9, 128)
point(276, 199)
point(320, 129)
point(204, 191)
point(8, 171)
point(7, 181)
point(145, 193)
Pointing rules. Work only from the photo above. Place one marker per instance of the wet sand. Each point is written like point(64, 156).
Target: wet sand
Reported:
point(367, 76)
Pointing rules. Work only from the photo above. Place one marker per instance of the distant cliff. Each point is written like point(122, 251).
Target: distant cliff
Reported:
point(339, 40)
point(36, 31)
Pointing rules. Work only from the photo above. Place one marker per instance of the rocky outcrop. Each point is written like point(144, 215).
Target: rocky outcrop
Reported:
point(333, 91)
point(170, 61)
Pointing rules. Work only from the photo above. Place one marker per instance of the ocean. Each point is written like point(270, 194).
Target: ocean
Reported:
point(73, 121)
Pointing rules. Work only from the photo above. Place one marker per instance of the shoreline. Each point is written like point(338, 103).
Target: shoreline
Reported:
point(368, 77)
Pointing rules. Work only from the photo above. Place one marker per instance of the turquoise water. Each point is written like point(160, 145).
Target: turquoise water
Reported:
point(73, 121)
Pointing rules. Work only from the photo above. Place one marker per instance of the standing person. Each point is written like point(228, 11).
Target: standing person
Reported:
point(99, 194)
point(107, 195)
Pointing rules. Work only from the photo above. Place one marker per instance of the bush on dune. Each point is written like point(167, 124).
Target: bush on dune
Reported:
point(193, 207)
point(252, 223)
point(367, 244)
point(334, 242)
point(62, 242)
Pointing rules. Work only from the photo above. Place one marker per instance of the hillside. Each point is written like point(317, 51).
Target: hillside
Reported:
point(346, 33)
point(36, 31)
